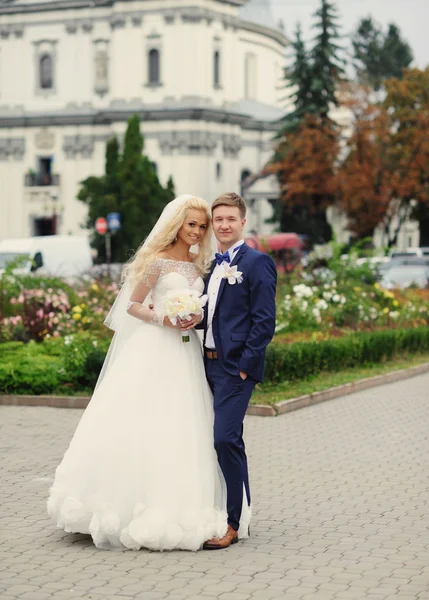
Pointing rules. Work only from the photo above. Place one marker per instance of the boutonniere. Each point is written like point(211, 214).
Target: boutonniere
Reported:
point(232, 274)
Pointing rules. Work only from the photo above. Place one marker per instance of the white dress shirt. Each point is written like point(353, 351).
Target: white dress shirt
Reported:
point(213, 291)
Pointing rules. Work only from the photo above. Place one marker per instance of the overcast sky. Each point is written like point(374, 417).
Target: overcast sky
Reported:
point(412, 17)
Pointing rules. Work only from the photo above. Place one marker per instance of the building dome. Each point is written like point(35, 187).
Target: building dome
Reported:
point(259, 12)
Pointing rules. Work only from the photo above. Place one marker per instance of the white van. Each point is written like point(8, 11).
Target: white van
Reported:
point(57, 255)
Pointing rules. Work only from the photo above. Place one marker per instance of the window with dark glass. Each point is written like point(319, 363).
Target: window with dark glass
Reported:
point(216, 69)
point(46, 75)
point(44, 175)
point(245, 173)
point(154, 70)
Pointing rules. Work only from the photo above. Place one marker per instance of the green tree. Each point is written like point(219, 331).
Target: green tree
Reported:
point(299, 78)
point(397, 53)
point(327, 65)
point(305, 156)
point(130, 186)
point(377, 55)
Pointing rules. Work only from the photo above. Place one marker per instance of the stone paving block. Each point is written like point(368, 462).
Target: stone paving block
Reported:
point(234, 596)
point(348, 595)
point(33, 596)
point(21, 589)
point(341, 500)
point(400, 597)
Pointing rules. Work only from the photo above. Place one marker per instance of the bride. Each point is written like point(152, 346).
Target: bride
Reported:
point(141, 469)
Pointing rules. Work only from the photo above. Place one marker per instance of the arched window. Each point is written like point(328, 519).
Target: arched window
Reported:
point(154, 66)
point(216, 69)
point(45, 72)
point(250, 76)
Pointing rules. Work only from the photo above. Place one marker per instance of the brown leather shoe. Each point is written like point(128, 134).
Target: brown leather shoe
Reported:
point(230, 537)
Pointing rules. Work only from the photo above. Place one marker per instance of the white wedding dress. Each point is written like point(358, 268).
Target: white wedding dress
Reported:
point(141, 469)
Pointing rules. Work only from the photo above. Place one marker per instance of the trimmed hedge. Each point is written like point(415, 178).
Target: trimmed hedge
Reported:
point(28, 369)
point(300, 360)
point(41, 369)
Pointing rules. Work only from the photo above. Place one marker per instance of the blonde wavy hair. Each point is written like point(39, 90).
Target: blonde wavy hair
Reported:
point(134, 270)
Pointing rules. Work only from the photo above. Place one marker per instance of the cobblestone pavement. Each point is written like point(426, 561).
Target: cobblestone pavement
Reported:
point(341, 502)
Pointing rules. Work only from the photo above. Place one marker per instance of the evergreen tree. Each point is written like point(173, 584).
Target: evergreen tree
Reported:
point(299, 78)
point(314, 75)
point(378, 56)
point(397, 54)
point(112, 195)
point(327, 66)
point(92, 194)
point(130, 186)
point(308, 137)
point(171, 193)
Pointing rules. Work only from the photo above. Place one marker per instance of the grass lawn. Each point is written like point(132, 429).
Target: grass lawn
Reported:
point(268, 393)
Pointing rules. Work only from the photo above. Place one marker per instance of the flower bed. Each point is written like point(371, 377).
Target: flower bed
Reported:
point(327, 320)
point(345, 300)
point(39, 308)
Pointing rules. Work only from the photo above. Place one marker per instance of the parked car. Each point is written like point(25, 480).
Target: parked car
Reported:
point(402, 260)
point(285, 248)
point(424, 251)
point(406, 275)
point(58, 255)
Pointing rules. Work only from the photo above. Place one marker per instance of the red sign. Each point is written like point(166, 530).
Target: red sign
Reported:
point(101, 225)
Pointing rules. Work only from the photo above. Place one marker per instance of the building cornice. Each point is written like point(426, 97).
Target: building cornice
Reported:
point(190, 14)
point(114, 115)
point(10, 6)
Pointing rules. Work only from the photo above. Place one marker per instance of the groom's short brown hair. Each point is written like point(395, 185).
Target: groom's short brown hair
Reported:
point(231, 199)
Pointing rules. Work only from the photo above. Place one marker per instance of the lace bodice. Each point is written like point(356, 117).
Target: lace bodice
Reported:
point(161, 276)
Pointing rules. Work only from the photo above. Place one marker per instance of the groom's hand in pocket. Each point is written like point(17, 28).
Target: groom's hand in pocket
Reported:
point(243, 375)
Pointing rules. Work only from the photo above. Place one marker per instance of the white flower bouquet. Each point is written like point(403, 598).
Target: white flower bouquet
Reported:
point(181, 305)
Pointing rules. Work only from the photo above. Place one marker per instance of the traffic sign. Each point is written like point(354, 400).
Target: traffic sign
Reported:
point(114, 221)
point(101, 225)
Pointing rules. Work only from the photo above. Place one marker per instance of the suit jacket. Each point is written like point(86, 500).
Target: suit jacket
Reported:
point(245, 314)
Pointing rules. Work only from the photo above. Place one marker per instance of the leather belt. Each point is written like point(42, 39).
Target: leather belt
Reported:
point(210, 354)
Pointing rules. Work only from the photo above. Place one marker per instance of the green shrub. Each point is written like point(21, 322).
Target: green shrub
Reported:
point(92, 367)
point(55, 366)
point(73, 364)
point(25, 369)
point(82, 357)
point(289, 362)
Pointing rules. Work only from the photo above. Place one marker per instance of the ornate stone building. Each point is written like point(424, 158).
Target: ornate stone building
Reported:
point(205, 77)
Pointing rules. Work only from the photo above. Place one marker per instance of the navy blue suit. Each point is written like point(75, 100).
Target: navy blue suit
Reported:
point(243, 325)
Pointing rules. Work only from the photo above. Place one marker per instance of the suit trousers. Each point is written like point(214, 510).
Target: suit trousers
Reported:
point(231, 399)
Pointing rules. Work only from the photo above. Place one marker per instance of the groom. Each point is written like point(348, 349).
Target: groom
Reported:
point(238, 324)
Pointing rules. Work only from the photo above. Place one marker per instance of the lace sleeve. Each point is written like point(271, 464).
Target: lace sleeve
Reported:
point(135, 306)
